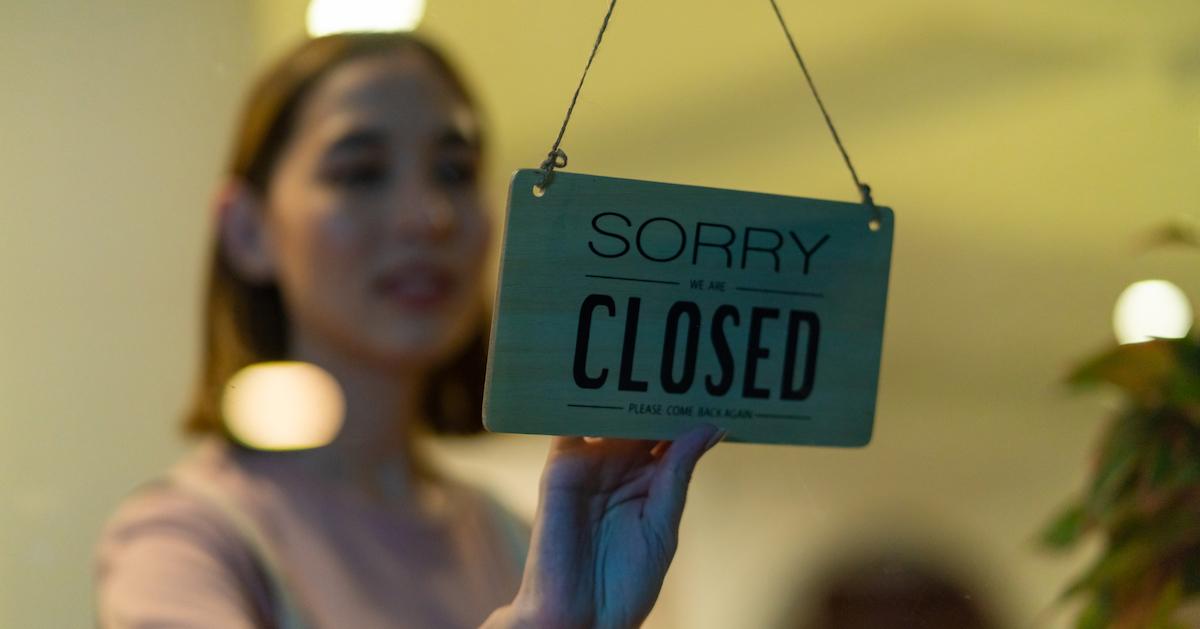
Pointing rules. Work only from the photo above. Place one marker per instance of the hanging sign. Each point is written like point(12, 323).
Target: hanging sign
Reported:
point(638, 309)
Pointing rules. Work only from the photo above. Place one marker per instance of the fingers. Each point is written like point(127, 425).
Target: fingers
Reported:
point(668, 492)
point(604, 446)
point(591, 462)
point(566, 442)
point(681, 455)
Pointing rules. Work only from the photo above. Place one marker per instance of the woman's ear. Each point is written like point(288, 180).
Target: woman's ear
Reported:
point(244, 234)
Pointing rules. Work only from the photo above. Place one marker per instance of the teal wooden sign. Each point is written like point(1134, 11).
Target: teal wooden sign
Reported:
point(638, 309)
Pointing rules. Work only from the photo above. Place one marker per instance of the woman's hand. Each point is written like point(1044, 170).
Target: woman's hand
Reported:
point(605, 532)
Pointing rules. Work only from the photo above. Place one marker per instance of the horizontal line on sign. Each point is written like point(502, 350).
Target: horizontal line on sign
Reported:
point(632, 279)
point(773, 291)
point(775, 416)
point(595, 406)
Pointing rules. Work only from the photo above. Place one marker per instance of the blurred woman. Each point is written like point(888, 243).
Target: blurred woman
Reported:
point(351, 234)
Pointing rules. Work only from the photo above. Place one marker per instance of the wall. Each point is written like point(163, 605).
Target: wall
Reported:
point(114, 121)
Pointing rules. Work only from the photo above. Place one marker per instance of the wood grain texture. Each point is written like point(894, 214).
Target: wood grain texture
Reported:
point(773, 307)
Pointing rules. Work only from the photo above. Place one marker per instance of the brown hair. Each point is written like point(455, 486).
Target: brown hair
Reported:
point(246, 323)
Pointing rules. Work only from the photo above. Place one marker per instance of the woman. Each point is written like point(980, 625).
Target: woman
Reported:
point(351, 236)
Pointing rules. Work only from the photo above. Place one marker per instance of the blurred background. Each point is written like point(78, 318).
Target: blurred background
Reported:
point(1027, 148)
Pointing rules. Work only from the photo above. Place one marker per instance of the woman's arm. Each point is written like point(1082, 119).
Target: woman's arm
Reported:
point(166, 561)
point(605, 532)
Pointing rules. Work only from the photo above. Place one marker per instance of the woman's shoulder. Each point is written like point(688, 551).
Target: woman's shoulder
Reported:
point(160, 507)
point(168, 556)
point(165, 507)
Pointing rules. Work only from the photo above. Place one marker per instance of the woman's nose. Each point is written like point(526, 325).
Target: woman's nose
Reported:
point(421, 210)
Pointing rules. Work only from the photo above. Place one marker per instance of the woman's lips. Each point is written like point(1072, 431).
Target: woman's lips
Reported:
point(417, 286)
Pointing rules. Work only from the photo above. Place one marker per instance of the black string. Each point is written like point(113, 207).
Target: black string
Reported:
point(557, 158)
point(863, 188)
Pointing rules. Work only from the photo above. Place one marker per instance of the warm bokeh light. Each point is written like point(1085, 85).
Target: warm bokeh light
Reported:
point(340, 16)
point(1151, 309)
point(283, 406)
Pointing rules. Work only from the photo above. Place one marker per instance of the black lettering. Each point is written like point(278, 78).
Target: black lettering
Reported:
point(724, 354)
point(755, 351)
point(724, 246)
point(590, 303)
point(682, 240)
point(808, 252)
point(628, 346)
point(774, 251)
point(810, 357)
point(667, 373)
point(624, 242)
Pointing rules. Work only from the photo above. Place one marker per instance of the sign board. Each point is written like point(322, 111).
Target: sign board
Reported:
point(638, 309)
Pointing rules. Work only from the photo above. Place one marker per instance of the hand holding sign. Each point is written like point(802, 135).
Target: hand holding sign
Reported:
point(606, 530)
point(574, 300)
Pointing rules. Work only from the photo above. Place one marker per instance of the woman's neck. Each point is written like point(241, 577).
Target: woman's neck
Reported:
point(376, 450)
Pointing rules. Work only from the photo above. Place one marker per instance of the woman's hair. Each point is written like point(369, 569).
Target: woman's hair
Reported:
point(245, 322)
point(892, 590)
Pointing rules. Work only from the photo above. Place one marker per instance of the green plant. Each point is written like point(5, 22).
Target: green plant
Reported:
point(1143, 497)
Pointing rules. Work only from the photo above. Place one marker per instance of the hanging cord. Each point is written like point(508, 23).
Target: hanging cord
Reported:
point(557, 158)
point(863, 189)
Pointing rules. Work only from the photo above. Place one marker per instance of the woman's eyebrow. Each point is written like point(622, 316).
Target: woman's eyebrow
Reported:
point(453, 138)
point(359, 139)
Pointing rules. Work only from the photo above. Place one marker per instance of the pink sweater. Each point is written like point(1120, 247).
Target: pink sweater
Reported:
point(171, 558)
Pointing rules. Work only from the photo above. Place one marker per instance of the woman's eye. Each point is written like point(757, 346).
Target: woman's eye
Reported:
point(454, 173)
point(357, 175)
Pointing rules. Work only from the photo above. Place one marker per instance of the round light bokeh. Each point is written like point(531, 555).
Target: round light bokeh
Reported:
point(283, 406)
point(326, 17)
point(1151, 309)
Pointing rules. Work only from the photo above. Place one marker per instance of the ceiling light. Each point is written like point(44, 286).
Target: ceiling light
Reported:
point(1151, 309)
point(326, 17)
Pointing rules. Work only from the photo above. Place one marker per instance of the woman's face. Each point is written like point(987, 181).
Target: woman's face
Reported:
point(375, 216)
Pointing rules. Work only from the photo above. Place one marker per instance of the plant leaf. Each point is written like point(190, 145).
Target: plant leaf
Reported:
point(1191, 575)
point(1183, 230)
point(1168, 601)
point(1116, 466)
point(1116, 565)
point(1183, 387)
point(1066, 529)
point(1097, 614)
point(1141, 369)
